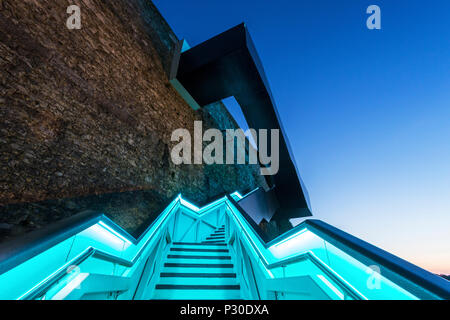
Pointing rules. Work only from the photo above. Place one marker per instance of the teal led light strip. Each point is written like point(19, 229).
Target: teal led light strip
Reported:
point(55, 276)
point(297, 257)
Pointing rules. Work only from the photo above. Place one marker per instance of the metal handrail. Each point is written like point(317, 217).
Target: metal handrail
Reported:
point(434, 284)
point(46, 284)
point(306, 255)
point(91, 252)
point(19, 250)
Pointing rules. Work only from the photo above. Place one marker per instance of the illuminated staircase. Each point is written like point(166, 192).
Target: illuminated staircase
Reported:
point(217, 236)
point(214, 252)
point(199, 271)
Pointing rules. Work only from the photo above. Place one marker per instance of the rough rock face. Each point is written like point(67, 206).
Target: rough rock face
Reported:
point(87, 116)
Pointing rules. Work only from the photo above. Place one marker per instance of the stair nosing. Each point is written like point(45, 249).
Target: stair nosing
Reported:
point(195, 244)
point(213, 242)
point(197, 287)
point(198, 250)
point(176, 256)
point(197, 275)
point(197, 265)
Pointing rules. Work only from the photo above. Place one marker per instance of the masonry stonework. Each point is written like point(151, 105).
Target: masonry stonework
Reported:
point(87, 116)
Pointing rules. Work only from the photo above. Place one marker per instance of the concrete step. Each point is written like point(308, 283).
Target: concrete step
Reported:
point(198, 281)
point(196, 294)
point(183, 244)
point(197, 275)
point(180, 268)
point(198, 265)
point(197, 249)
point(197, 287)
point(200, 257)
point(209, 261)
point(188, 254)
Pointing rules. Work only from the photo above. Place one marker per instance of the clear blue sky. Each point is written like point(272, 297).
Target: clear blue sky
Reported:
point(367, 112)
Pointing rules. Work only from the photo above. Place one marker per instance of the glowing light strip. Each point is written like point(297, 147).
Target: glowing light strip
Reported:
point(168, 211)
point(260, 255)
point(72, 285)
point(65, 266)
point(248, 237)
point(330, 285)
point(289, 238)
point(111, 230)
point(194, 208)
point(337, 275)
point(204, 210)
point(211, 205)
point(237, 194)
point(162, 220)
point(296, 255)
point(189, 205)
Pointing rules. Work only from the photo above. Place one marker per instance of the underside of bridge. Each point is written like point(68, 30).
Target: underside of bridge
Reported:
point(228, 66)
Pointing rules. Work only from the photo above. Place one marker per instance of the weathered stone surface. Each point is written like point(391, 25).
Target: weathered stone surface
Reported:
point(87, 115)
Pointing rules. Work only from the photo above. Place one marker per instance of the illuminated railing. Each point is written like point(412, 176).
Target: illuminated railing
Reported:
point(90, 257)
point(312, 278)
point(343, 266)
point(41, 268)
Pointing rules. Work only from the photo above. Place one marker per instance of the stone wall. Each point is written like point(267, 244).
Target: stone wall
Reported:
point(87, 115)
